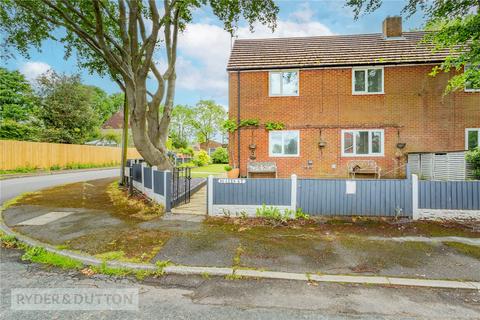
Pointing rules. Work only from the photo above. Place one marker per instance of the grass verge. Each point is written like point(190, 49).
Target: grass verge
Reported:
point(466, 249)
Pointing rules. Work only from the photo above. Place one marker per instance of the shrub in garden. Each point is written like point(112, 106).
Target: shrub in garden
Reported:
point(201, 158)
point(220, 155)
point(473, 157)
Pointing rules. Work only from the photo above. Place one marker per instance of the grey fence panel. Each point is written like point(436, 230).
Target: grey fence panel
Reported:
point(159, 182)
point(147, 177)
point(137, 172)
point(453, 195)
point(372, 197)
point(253, 192)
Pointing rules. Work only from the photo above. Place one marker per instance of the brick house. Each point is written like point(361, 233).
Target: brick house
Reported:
point(344, 98)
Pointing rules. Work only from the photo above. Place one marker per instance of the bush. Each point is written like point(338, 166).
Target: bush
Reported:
point(201, 158)
point(220, 155)
point(228, 168)
point(473, 157)
point(10, 129)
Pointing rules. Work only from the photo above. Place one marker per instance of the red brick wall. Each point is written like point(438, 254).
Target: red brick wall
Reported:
point(413, 110)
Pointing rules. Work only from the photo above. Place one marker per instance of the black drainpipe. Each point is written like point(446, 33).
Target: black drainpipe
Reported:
point(238, 117)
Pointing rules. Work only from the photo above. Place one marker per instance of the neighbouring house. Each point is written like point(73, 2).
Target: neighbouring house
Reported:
point(211, 146)
point(114, 126)
point(345, 99)
point(115, 122)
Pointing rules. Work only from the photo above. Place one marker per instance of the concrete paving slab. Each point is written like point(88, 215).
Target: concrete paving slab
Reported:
point(46, 218)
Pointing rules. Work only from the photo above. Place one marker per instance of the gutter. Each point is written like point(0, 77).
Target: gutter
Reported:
point(336, 65)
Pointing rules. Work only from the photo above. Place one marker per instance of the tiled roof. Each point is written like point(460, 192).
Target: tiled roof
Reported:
point(324, 51)
point(115, 121)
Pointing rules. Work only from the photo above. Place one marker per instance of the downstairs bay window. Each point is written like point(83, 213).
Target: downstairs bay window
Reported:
point(285, 143)
point(362, 143)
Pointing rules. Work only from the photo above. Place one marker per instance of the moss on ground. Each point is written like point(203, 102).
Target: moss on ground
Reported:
point(102, 194)
point(465, 249)
point(378, 255)
point(132, 244)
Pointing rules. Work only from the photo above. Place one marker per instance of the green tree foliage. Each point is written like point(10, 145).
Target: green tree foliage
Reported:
point(14, 130)
point(220, 155)
point(473, 156)
point(17, 100)
point(67, 109)
point(208, 120)
point(122, 39)
point(454, 25)
point(181, 128)
point(103, 104)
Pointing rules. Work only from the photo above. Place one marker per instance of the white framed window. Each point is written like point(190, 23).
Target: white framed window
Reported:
point(472, 138)
point(368, 80)
point(283, 83)
point(359, 143)
point(469, 87)
point(284, 143)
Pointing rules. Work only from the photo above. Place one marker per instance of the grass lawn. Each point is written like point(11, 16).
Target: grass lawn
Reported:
point(212, 169)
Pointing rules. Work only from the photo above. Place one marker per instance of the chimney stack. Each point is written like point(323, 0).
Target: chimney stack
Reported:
point(392, 27)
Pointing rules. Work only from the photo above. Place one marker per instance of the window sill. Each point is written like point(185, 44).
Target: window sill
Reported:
point(472, 90)
point(284, 156)
point(283, 95)
point(366, 93)
point(379, 155)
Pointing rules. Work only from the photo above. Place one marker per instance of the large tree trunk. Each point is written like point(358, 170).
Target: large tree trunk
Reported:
point(153, 152)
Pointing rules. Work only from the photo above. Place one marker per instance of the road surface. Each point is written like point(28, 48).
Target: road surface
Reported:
point(190, 297)
point(11, 188)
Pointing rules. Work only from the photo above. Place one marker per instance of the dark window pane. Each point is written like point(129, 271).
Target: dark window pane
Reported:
point(348, 142)
point(359, 80)
point(375, 80)
point(361, 142)
point(291, 143)
point(376, 142)
point(472, 139)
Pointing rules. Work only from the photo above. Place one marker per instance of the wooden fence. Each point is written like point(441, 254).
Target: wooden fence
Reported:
point(19, 154)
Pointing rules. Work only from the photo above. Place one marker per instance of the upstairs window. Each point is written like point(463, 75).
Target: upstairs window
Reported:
point(283, 83)
point(362, 143)
point(367, 80)
point(472, 138)
point(284, 143)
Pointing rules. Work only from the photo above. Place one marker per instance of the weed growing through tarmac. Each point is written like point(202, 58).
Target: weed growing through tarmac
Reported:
point(40, 255)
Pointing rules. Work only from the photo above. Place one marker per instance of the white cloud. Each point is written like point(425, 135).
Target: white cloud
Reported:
point(204, 49)
point(32, 69)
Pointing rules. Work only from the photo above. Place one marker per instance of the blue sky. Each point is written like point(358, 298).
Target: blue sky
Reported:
point(204, 46)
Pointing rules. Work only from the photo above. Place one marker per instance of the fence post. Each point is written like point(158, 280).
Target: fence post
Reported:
point(210, 195)
point(294, 192)
point(167, 190)
point(144, 164)
point(415, 215)
point(155, 197)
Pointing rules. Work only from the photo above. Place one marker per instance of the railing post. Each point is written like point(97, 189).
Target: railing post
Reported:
point(415, 213)
point(155, 197)
point(210, 195)
point(167, 190)
point(294, 192)
point(144, 164)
